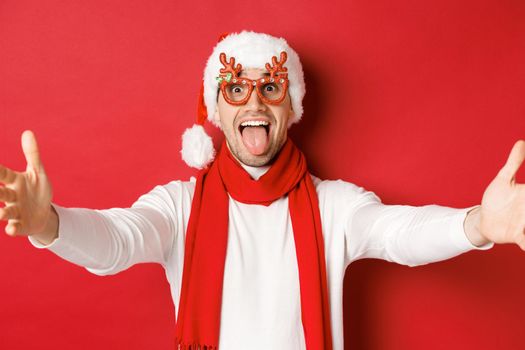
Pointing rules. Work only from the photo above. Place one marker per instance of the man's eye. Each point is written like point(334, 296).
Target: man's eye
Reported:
point(236, 89)
point(269, 88)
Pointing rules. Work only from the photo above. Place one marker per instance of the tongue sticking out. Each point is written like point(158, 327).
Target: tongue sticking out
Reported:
point(255, 139)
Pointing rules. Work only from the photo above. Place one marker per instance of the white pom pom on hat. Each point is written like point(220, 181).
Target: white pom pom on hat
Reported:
point(197, 147)
point(252, 50)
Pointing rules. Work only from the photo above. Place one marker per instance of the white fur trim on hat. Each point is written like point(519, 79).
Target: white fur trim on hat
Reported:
point(197, 147)
point(254, 50)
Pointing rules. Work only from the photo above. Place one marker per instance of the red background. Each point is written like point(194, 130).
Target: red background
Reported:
point(418, 101)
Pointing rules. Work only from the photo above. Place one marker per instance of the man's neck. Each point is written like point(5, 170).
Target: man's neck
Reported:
point(255, 171)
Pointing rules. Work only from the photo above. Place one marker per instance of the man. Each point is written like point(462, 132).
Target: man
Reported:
point(256, 248)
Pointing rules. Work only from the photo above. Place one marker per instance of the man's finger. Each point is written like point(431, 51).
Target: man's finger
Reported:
point(7, 195)
point(9, 213)
point(516, 157)
point(13, 228)
point(7, 175)
point(30, 149)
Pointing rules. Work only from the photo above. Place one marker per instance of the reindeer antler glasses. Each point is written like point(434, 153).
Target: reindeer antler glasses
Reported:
point(237, 90)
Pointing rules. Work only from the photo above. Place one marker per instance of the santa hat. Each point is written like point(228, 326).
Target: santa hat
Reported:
point(252, 50)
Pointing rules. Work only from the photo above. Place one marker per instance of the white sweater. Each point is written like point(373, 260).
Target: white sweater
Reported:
point(261, 299)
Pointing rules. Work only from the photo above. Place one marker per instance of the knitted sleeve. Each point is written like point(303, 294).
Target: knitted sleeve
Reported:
point(111, 240)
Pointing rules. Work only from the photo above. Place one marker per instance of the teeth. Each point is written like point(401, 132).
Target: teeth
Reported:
point(255, 123)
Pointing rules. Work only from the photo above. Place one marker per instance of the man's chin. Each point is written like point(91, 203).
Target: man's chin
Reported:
point(254, 160)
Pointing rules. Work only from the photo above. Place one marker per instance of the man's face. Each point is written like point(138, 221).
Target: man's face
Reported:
point(254, 145)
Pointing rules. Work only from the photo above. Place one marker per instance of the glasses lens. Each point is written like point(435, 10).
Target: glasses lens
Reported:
point(237, 92)
point(272, 91)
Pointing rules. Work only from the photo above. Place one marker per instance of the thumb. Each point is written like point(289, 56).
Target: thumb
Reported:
point(516, 157)
point(31, 153)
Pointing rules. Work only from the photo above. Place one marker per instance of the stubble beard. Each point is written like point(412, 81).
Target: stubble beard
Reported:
point(246, 157)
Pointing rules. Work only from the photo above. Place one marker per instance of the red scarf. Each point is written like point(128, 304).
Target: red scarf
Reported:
point(198, 321)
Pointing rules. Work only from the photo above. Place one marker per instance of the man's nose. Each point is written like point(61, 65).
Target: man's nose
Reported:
point(254, 102)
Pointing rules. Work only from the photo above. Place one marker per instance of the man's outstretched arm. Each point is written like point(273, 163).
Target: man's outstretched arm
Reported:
point(420, 235)
point(104, 241)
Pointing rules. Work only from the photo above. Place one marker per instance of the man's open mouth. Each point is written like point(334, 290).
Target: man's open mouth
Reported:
point(255, 124)
point(255, 135)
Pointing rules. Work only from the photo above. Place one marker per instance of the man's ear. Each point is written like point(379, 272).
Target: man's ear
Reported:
point(291, 114)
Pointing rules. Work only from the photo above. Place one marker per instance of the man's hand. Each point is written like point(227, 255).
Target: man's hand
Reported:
point(27, 196)
point(501, 217)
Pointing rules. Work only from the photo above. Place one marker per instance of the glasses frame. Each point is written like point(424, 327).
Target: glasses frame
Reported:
point(230, 75)
point(257, 84)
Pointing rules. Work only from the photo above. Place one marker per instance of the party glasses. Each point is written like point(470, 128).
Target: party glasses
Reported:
point(271, 89)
